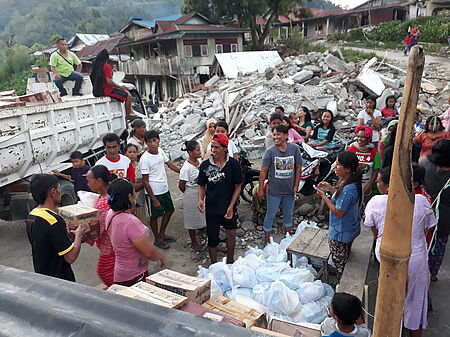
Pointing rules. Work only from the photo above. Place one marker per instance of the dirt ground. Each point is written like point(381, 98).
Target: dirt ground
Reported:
point(15, 249)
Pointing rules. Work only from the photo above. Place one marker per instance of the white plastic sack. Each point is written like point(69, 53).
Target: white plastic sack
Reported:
point(254, 250)
point(284, 244)
point(313, 153)
point(253, 261)
point(88, 199)
point(313, 312)
point(269, 272)
point(234, 293)
point(222, 274)
point(282, 299)
point(259, 293)
point(327, 295)
point(243, 276)
point(310, 291)
point(294, 277)
point(273, 248)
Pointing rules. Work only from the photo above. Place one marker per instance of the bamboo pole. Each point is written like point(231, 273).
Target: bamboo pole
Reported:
point(396, 245)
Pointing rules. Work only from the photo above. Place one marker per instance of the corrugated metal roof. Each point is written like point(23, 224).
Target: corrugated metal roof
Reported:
point(40, 306)
point(91, 39)
point(91, 52)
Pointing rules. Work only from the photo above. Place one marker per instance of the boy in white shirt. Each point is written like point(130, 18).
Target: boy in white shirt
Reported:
point(156, 186)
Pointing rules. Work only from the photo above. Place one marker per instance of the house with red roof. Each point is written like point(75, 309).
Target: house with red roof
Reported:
point(171, 56)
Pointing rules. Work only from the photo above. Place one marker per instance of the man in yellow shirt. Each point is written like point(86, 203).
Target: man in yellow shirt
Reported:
point(62, 62)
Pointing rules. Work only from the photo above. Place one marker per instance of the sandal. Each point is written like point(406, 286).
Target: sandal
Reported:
point(170, 239)
point(162, 245)
point(259, 228)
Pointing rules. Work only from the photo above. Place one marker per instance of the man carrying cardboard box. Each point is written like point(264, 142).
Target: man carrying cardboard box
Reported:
point(52, 250)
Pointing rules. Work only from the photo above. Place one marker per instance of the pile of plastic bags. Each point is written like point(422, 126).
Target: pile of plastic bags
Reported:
point(264, 280)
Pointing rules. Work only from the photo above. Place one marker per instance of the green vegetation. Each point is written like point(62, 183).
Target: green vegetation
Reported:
point(355, 56)
point(433, 30)
point(25, 22)
point(15, 69)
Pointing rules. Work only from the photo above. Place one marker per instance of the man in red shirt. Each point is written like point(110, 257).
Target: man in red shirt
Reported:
point(103, 84)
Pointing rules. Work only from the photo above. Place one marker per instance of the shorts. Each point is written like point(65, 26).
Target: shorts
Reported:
point(166, 203)
point(213, 223)
point(119, 94)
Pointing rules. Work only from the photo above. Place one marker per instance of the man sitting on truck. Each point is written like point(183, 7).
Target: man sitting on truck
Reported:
point(62, 62)
point(53, 251)
point(116, 163)
point(103, 84)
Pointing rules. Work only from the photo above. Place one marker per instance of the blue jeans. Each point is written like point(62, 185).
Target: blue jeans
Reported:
point(273, 203)
point(74, 76)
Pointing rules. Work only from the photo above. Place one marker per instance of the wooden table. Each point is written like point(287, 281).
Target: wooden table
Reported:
point(312, 243)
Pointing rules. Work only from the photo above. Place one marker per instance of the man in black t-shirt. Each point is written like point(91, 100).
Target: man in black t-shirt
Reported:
point(220, 180)
point(51, 247)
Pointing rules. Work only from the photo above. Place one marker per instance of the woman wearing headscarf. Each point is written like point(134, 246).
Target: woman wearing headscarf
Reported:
point(103, 84)
point(210, 131)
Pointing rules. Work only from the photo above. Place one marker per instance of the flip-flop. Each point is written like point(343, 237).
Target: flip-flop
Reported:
point(162, 245)
point(260, 228)
point(170, 239)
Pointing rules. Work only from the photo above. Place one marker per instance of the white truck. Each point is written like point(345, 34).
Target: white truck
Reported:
point(40, 138)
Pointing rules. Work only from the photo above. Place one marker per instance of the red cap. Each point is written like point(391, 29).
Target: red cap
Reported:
point(221, 138)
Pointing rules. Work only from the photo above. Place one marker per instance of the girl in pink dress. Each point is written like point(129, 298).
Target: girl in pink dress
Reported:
point(98, 178)
point(416, 300)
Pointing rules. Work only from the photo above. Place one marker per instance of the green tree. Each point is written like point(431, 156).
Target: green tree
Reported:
point(15, 68)
point(245, 12)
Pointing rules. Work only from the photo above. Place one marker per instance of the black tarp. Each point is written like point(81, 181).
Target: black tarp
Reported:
point(36, 305)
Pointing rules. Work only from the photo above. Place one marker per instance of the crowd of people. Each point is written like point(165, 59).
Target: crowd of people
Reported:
point(133, 193)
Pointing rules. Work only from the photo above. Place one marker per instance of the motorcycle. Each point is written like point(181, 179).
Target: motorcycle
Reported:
point(250, 175)
point(318, 166)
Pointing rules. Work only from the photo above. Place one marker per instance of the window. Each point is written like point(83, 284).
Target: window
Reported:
point(204, 50)
point(284, 32)
point(219, 48)
point(234, 48)
point(318, 28)
point(188, 51)
point(226, 46)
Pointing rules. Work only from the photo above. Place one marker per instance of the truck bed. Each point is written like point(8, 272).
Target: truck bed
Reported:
point(39, 138)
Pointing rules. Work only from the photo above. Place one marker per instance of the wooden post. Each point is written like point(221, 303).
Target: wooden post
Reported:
point(396, 245)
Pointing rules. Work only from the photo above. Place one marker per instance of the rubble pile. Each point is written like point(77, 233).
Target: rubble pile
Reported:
point(316, 80)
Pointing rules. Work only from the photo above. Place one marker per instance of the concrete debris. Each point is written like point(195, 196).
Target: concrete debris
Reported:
point(316, 80)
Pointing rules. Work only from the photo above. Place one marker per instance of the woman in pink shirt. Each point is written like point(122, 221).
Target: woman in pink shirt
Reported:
point(129, 236)
point(293, 136)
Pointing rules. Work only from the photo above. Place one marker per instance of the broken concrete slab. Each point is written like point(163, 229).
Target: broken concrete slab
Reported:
point(213, 80)
point(371, 82)
point(302, 76)
point(193, 119)
point(288, 81)
point(178, 120)
point(336, 64)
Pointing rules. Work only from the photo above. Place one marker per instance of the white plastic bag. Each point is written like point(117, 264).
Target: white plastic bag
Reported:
point(284, 244)
point(88, 199)
point(283, 300)
point(310, 291)
point(222, 274)
point(269, 272)
point(259, 293)
point(234, 293)
point(294, 277)
point(313, 312)
point(243, 276)
point(327, 295)
point(254, 250)
point(273, 248)
point(253, 261)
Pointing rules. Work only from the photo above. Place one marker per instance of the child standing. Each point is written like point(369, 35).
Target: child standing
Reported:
point(370, 116)
point(324, 132)
point(77, 172)
point(389, 110)
point(155, 182)
point(345, 312)
point(132, 152)
point(188, 184)
point(407, 43)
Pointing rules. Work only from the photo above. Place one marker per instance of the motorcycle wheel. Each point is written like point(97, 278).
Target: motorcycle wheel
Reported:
point(247, 192)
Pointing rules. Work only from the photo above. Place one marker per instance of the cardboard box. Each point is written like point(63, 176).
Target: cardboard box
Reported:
point(294, 329)
point(249, 316)
point(268, 332)
point(155, 295)
point(80, 215)
point(196, 289)
point(200, 310)
point(115, 288)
